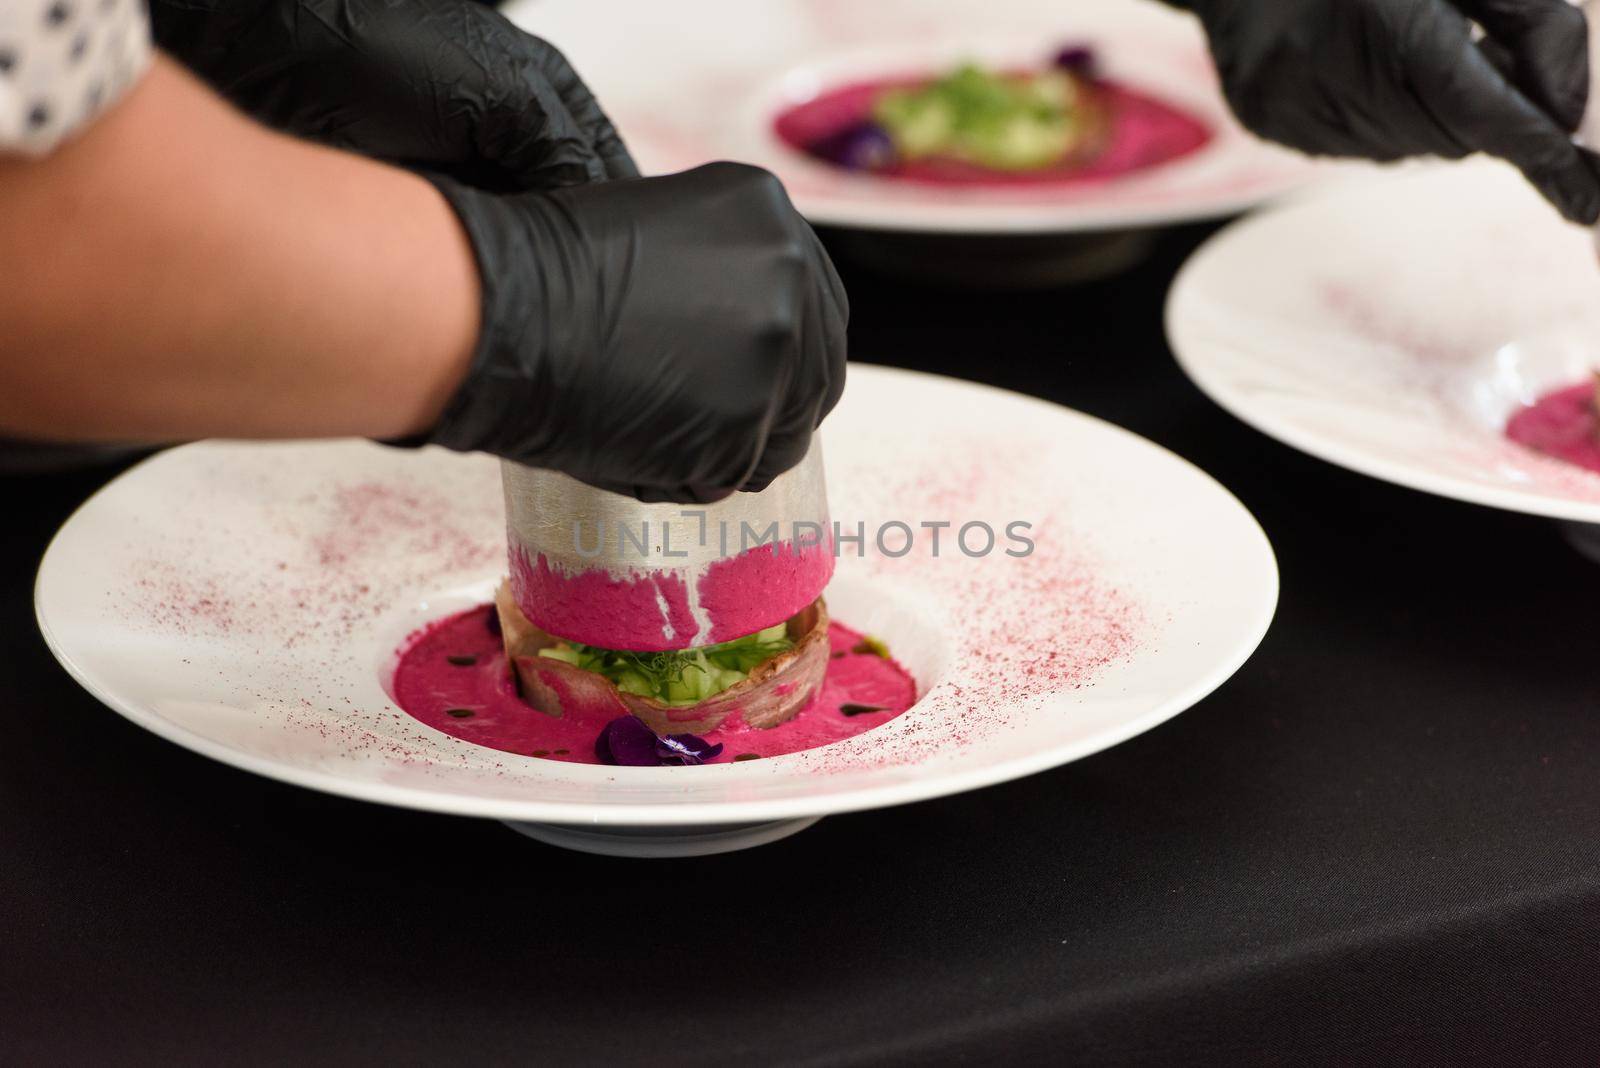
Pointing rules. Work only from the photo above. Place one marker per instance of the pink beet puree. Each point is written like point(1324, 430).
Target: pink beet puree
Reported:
point(597, 608)
point(742, 594)
point(453, 676)
point(1562, 423)
point(651, 610)
point(1144, 131)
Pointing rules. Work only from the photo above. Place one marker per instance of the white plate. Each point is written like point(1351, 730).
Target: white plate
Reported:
point(703, 79)
point(1393, 326)
point(245, 601)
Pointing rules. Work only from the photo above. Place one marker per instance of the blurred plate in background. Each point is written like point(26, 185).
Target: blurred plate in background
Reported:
point(703, 80)
point(1393, 328)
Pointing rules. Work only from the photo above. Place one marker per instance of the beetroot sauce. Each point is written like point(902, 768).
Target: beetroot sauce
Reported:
point(651, 610)
point(1142, 132)
point(453, 676)
point(1563, 424)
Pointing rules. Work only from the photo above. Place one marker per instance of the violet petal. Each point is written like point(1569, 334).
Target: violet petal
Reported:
point(1079, 59)
point(686, 749)
point(627, 742)
point(865, 146)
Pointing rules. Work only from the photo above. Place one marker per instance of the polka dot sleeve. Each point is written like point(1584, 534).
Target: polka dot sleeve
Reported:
point(62, 62)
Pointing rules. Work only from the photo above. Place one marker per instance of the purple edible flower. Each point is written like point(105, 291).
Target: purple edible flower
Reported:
point(866, 146)
point(686, 749)
point(1079, 59)
point(627, 742)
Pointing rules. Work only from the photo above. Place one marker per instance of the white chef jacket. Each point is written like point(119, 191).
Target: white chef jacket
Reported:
point(62, 63)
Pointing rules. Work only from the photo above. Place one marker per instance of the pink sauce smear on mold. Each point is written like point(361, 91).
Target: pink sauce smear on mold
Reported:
point(1563, 424)
point(740, 595)
point(1143, 132)
point(597, 608)
point(478, 701)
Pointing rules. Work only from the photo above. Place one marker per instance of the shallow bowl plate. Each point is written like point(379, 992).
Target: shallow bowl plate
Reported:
point(1393, 326)
point(246, 601)
point(703, 80)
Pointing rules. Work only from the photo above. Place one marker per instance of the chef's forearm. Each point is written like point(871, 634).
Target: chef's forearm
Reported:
point(179, 271)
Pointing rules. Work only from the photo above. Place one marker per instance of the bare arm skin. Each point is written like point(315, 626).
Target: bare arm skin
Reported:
point(179, 271)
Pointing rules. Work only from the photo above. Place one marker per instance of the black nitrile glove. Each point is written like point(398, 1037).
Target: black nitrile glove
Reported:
point(673, 338)
point(445, 85)
point(1385, 79)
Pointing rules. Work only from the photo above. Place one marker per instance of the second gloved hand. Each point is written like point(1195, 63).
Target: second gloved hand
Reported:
point(1385, 79)
point(674, 338)
point(446, 85)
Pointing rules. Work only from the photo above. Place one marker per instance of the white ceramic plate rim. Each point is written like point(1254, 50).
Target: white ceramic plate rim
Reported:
point(1253, 630)
point(1191, 352)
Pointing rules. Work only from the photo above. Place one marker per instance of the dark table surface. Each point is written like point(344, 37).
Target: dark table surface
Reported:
point(1377, 843)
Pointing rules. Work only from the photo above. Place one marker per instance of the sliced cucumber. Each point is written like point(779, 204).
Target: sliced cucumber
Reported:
point(678, 678)
point(634, 683)
point(1002, 121)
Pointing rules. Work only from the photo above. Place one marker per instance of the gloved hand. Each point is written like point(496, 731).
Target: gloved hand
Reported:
point(1384, 79)
point(444, 85)
point(672, 338)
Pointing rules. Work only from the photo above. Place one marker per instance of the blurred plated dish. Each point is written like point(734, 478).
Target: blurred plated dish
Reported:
point(1438, 328)
point(718, 79)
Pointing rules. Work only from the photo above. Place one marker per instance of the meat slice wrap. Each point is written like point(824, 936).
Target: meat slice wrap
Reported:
point(773, 692)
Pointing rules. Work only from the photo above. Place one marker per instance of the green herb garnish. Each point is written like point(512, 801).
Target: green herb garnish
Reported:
point(462, 661)
point(747, 756)
point(458, 713)
point(1003, 121)
point(851, 709)
point(684, 677)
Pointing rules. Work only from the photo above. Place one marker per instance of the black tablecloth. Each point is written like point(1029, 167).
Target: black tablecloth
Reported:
point(1377, 843)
